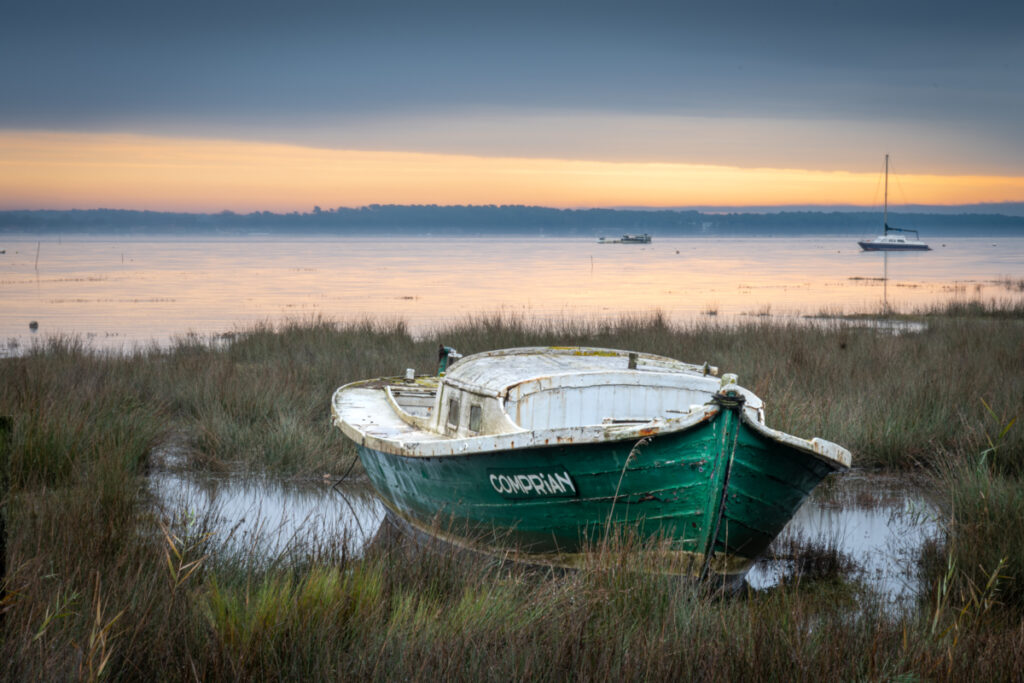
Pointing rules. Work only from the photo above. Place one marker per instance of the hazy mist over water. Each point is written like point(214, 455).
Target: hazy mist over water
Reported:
point(119, 292)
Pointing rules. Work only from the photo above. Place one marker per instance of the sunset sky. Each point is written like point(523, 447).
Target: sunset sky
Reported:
point(265, 105)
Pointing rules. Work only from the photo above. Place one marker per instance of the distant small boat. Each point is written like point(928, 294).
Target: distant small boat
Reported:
point(542, 452)
point(628, 238)
point(888, 241)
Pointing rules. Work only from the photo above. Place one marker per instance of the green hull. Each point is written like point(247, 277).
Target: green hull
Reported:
point(718, 486)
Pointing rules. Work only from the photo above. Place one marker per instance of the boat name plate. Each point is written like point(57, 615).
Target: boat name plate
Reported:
point(538, 482)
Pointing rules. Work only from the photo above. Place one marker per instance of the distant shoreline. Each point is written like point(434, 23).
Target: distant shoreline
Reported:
point(503, 220)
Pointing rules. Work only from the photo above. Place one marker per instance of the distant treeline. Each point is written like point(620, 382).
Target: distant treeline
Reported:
point(491, 219)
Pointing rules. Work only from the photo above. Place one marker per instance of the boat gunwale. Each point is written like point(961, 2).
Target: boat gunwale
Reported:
point(445, 445)
point(412, 435)
point(438, 445)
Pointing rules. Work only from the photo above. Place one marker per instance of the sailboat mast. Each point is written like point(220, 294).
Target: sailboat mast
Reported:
point(885, 211)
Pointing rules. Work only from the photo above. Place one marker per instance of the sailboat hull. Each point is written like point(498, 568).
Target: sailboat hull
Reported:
point(875, 246)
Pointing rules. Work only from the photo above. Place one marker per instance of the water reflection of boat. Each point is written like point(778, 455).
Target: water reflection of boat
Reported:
point(893, 239)
point(550, 449)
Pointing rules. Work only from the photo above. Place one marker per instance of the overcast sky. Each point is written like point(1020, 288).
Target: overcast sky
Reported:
point(787, 84)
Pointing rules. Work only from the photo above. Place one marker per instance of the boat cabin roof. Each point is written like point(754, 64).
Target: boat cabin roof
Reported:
point(494, 372)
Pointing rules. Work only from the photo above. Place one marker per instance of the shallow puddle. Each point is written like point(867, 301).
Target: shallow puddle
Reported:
point(876, 523)
point(266, 517)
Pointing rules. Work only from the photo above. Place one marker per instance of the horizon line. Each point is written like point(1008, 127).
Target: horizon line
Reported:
point(700, 208)
point(192, 174)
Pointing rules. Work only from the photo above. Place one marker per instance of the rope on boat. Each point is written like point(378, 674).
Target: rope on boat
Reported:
point(347, 472)
point(729, 399)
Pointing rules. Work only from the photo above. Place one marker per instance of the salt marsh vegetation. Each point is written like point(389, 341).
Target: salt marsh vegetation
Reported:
point(103, 583)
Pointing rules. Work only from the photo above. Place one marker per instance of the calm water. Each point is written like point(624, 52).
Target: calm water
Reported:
point(121, 291)
point(878, 522)
point(269, 517)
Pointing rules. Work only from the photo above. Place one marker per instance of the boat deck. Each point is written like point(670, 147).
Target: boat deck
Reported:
point(368, 410)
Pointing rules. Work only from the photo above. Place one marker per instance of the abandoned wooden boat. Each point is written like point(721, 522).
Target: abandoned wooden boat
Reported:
point(546, 450)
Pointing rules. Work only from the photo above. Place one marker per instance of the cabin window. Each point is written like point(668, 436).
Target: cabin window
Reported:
point(453, 412)
point(475, 418)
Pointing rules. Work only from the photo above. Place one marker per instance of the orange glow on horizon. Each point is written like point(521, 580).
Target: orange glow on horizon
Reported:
point(88, 170)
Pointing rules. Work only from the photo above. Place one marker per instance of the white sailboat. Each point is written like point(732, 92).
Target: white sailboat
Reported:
point(893, 239)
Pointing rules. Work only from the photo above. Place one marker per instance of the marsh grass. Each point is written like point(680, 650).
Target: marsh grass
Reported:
point(1011, 284)
point(806, 558)
point(1005, 309)
point(100, 585)
point(258, 402)
point(985, 531)
point(409, 612)
point(959, 306)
